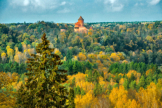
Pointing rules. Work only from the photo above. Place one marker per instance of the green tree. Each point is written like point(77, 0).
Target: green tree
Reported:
point(70, 68)
point(69, 55)
point(22, 68)
point(149, 78)
point(89, 78)
point(15, 67)
point(82, 92)
point(95, 66)
point(97, 89)
point(116, 85)
point(131, 64)
point(96, 76)
point(141, 82)
point(109, 88)
point(132, 85)
point(71, 99)
point(102, 74)
point(77, 90)
point(75, 69)
point(73, 82)
point(126, 84)
point(43, 87)
point(88, 65)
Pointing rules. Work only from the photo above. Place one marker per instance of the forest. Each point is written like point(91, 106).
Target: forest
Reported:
point(114, 65)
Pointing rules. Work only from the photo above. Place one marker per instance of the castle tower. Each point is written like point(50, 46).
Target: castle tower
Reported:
point(79, 26)
point(81, 21)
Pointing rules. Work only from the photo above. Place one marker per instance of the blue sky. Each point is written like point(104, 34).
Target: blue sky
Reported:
point(68, 11)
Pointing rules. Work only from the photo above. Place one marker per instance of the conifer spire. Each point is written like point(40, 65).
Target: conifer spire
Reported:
point(43, 88)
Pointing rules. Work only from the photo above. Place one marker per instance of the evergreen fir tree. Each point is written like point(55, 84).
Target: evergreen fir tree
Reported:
point(43, 87)
point(89, 78)
point(82, 92)
point(141, 82)
point(77, 90)
point(109, 88)
point(70, 68)
point(75, 67)
point(102, 74)
point(96, 76)
point(69, 55)
point(71, 99)
point(97, 89)
point(132, 85)
point(88, 65)
point(126, 84)
point(73, 82)
point(149, 78)
point(116, 85)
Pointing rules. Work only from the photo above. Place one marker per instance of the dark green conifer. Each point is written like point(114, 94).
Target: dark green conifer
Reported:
point(43, 88)
point(73, 82)
point(97, 89)
point(82, 92)
point(126, 84)
point(141, 82)
point(71, 99)
point(69, 55)
point(75, 68)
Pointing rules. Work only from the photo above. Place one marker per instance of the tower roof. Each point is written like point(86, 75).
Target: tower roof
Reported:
point(80, 18)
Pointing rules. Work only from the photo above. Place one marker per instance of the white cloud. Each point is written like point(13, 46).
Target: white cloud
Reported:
point(139, 4)
point(107, 1)
point(113, 5)
point(154, 2)
point(118, 8)
point(136, 4)
point(65, 10)
point(36, 5)
point(26, 2)
point(63, 3)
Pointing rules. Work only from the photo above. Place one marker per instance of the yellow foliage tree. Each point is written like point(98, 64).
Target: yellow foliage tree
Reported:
point(90, 32)
point(19, 57)
point(10, 52)
point(92, 56)
point(7, 97)
point(150, 97)
point(82, 56)
point(132, 72)
point(84, 101)
point(3, 56)
point(149, 70)
point(133, 104)
point(125, 61)
point(118, 97)
point(121, 82)
point(56, 51)
point(121, 56)
point(150, 26)
point(149, 38)
point(115, 57)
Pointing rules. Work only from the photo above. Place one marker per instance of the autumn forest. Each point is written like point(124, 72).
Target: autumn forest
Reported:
point(113, 65)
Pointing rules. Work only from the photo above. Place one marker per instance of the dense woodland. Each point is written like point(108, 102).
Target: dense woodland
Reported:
point(116, 64)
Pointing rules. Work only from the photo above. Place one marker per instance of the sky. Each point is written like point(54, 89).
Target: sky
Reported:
point(68, 11)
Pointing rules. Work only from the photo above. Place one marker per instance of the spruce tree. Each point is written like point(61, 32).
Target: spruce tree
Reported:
point(69, 55)
point(97, 89)
point(82, 92)
point(73, 82)
point(43, 87)
point(141, 82)
point(75, 68)
point(126, 84)
point(71, 99)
